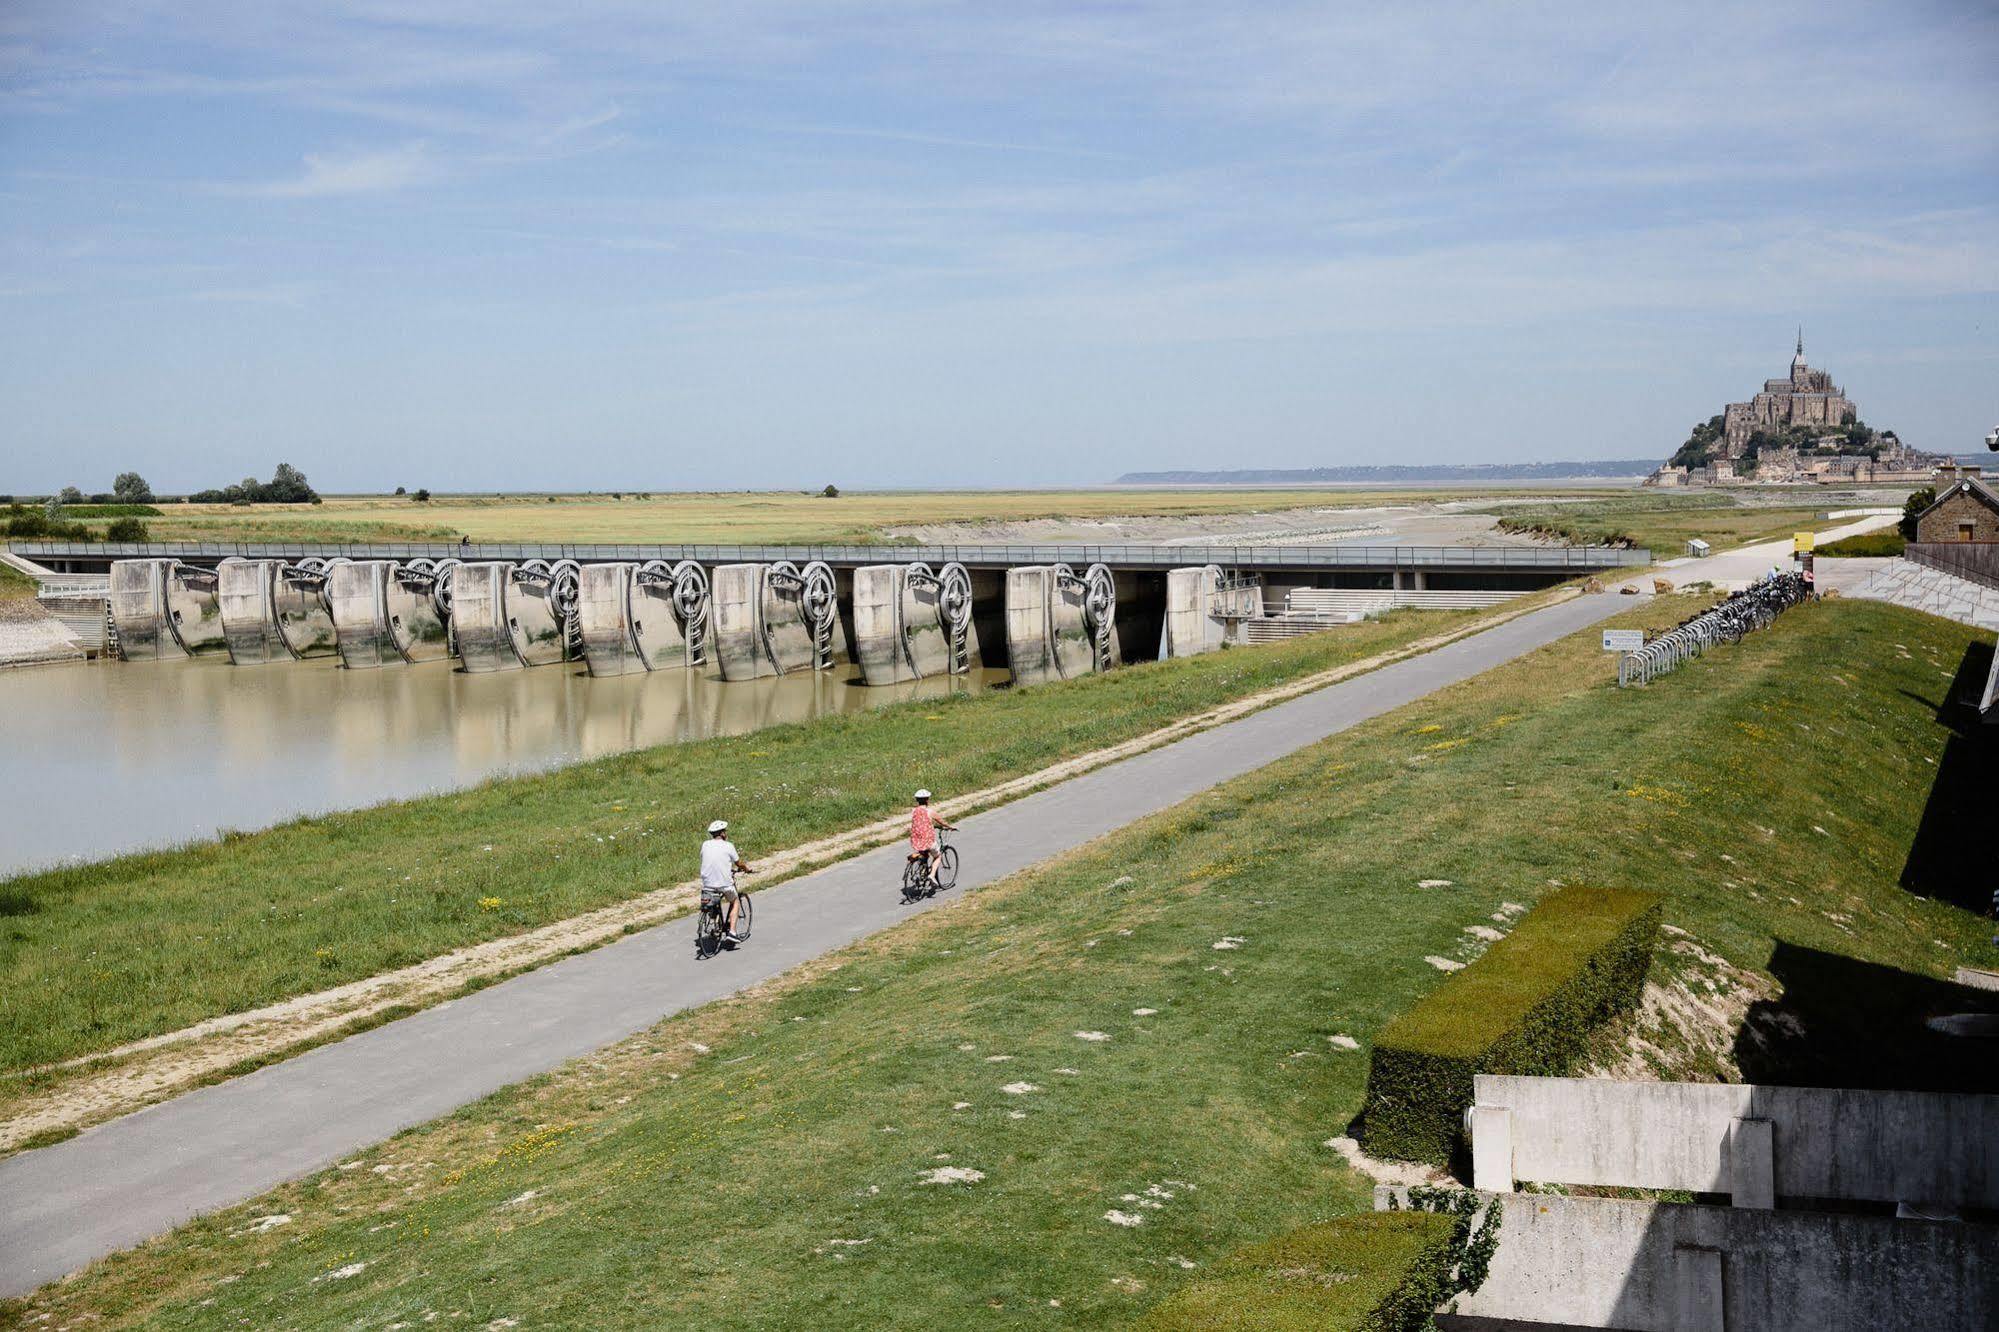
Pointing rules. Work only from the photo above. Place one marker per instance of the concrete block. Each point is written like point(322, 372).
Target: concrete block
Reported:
point(1698, 1304)
point(1491, 1129)
point(1192, 624)
point(1752, 1164)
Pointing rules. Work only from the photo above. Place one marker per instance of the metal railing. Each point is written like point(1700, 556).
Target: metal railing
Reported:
point(1578, 558)
point(1752, 608)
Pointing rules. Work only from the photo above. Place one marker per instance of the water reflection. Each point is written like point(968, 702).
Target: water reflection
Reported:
point(109, 757)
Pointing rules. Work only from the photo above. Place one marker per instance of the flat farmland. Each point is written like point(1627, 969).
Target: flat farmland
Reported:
point(752, 517)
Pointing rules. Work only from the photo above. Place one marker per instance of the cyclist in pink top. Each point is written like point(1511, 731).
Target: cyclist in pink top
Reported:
point(923, 829)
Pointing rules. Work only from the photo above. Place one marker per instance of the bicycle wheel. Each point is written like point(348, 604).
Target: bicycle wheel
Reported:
point(912, 878)
point(947, 868)
point(707, 931)
point(743, 917)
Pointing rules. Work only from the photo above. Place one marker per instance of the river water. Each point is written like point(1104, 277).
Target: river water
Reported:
point(102, 758)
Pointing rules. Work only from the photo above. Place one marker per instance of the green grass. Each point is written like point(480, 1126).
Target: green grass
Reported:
point(15, 585)
point(657, 1185)
point(1374, 1272)
point(754, 517)
point(1890, 542)
point(98, 955)
point(1663, 523)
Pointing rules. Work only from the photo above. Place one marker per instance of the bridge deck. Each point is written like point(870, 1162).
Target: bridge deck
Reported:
point(1523, 558)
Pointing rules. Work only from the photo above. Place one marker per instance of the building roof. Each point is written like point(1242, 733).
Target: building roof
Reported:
point(1977, 488)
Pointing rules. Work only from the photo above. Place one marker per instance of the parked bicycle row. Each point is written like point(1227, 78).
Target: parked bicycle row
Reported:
point(1752, 608)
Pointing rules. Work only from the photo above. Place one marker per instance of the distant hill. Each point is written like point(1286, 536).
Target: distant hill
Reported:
point(1307, 476)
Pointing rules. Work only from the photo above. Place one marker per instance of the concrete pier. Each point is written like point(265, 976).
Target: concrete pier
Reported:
point(479, 623)
point(385, 614)
point(642, 617)
point(164, 609)
point(1049, 622)
point(773, 619)
point(246, 591)
point(1203, 606)
point(911, 623)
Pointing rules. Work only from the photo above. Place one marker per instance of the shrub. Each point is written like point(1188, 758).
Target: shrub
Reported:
point(1526, 1007)
point(19, 521)
point(830, 492)
point(422, 496)
point(1372, 1272)
point(125, 529)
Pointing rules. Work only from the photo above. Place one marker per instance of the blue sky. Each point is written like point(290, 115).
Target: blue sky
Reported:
point(488, 244)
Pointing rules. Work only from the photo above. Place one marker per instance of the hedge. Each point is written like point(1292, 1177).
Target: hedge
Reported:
point(1526, 1007)
point(1371, 1272)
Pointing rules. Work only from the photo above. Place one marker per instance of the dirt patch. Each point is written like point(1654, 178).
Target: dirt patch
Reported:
point(1694, 1006)
point(94, 1088)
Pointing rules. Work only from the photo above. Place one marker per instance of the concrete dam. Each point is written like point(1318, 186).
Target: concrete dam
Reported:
point(898, 613)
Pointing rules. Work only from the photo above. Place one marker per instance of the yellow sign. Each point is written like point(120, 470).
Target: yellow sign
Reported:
point(1801, 543)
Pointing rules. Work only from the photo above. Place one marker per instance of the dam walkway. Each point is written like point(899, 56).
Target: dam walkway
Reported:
point(64, 1206)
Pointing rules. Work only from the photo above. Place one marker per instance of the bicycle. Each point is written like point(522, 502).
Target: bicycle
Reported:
point(711, 928)
point(916, 872)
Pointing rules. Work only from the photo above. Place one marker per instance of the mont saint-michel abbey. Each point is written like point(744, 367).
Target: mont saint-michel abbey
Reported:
point(1807, 398)
point(1738, 448)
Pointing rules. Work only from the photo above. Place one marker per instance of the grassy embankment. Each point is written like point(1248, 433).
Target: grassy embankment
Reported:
point(15, 585)
point(1890, 542)
point(762, 1162)
point(1664, 523)
point(98, 955)
point(854, 518)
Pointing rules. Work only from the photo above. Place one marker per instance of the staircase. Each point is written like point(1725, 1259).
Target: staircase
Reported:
point(1918, 587)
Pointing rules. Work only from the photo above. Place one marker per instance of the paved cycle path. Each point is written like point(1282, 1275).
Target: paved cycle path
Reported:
point(64, 1206)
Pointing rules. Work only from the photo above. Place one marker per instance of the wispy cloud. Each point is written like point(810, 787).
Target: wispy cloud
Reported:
point(370, 171)
point(291, 295)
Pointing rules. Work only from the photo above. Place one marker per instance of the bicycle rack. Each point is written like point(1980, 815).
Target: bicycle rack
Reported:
point(1744, 612)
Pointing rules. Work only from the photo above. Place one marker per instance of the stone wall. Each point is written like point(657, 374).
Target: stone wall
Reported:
point(1964, 505)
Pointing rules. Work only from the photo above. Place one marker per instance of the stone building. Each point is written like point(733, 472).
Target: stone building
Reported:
point(1967, 511)
point(1807, 398)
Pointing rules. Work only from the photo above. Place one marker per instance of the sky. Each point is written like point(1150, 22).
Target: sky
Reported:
point(497, 245)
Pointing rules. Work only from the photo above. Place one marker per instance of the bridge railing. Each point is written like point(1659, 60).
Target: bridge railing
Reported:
point(1126, 556)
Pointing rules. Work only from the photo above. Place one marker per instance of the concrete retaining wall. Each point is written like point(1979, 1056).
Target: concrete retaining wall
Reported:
point(479, 618)
point(1754, 1143)
point(787, 634)
point(1030, 646)
point(246, 593)
point(1673, 1267)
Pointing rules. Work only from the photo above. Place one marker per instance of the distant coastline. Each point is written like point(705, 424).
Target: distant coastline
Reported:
point(1612, 468)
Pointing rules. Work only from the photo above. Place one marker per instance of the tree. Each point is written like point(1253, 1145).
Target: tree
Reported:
point(1699, 447)
point(1917, 502)
point(69, 495)
point(830, 492)
point(131, 488)
point(422, 496)
point(401, 491)
point(289, 486)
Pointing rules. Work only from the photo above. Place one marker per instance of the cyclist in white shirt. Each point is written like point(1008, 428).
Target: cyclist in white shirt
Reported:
point(719, 863)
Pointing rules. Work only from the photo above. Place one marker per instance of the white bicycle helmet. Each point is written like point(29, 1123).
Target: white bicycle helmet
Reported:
point(922, 795)
point(719, 825)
